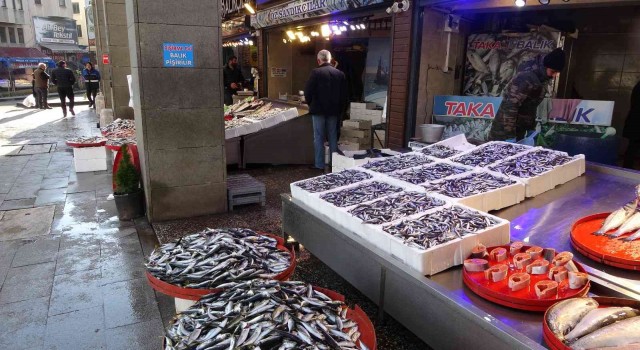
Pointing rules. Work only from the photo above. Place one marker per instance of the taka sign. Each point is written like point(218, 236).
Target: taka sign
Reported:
point(466, 106)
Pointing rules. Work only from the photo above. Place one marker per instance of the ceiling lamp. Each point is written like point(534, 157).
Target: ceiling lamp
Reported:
point(521, 3)
point(291, 35)
point(352, 27)
point(249, 8)
point(284, 40)
point(325, 30)
point(544, 2)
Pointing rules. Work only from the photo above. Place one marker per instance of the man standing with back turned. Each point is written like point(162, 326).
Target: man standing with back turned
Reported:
point(64, 80)
point(326, 95)
point(517, 112)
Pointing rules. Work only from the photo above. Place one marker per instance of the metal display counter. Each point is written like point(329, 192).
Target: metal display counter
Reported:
point(290, 142)
point(440, 309)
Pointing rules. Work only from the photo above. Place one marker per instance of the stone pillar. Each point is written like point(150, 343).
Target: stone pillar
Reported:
point(101, 48)
point(178, 111)
point(120, 61)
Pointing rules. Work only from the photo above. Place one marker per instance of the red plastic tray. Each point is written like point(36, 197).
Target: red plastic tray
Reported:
point(525, 299)
point(555, 344)
point(197, 293)
point(82, 145)
point(613, 252)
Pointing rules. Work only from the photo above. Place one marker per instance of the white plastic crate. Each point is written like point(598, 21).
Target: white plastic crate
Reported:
point(528, 148)
point(90, 152)
point(86, 165)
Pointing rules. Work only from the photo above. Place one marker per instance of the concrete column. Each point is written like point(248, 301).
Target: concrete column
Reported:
point(178, 111)
point(120, 62)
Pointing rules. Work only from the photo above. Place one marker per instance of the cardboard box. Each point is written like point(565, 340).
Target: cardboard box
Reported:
point(366, 105)
point(360, 134)
point(346, 146)
point(374, 119)
point(360, 124)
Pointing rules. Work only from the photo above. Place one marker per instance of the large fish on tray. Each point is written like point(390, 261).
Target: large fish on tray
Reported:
point(620, 334)
point(633, 237)
point(632, 224)
point(599, 318)
point(617, 218)
point(565, 315)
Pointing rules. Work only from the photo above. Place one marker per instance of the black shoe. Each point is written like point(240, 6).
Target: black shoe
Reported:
point(72, 112)
point(90, 104)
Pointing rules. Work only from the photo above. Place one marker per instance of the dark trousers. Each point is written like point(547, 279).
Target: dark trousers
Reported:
point(41, 97)
point(64, 93)
point(228, 97)
point(92, 91)
point(632, 152)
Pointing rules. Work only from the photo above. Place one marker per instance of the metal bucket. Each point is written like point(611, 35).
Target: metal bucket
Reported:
point(431, 133)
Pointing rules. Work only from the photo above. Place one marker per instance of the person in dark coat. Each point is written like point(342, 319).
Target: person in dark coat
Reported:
point(92, 79)
point(632, 129)
point(326, 95)
point(517, 112)
point(64, 79)
point(233, 79)
point(41, 86)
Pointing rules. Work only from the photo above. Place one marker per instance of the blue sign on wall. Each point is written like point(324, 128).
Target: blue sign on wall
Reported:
point(178, 55)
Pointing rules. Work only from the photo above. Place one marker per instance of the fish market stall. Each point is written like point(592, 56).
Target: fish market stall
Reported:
point(431, 306)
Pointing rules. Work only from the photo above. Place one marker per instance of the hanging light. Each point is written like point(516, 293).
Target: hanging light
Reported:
point(284, 40)
point(352, 27)
point(249, 8)
point(521, 3)
point(544, 2)
point(343, 28)
point(325, 30)
point(291, 35)
point(345, 23)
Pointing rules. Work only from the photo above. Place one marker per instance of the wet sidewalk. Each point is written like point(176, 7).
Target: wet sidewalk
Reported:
point(71, 274)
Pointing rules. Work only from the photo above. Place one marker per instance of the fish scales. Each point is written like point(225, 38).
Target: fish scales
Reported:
point(217, 258)
point(264, 313)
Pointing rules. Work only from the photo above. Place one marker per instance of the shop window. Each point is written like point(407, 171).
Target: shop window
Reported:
point(38, 2)
point(12, 35)
point(61, 3)
point(79, 29)
point(76, 7)
point(3, 3)
point(3, 35)
point(19, 4)
point(14, 4)
point(20, 35)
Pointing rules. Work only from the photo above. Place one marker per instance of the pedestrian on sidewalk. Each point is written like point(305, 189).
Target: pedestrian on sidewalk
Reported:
point(92, 81)
point(326, 95)
point(64, 79)
point(41, 86)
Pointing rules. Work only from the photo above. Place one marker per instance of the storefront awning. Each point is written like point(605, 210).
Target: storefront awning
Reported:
point(63, 48)
point(23, 57)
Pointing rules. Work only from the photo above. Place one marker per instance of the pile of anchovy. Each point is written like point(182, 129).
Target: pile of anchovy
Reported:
point(391, 164)
point(120, 128)
point(468, 185)
point(265, 315)
point(395, 207)
point(490, 153)
point(333, 180)
point(86, 140)
point(428, 173)
point(361, 193)
point(218, 259)
point(118, 142)
point(439, 227)
point(531, 164)
point(440, 151)
point(234, 123)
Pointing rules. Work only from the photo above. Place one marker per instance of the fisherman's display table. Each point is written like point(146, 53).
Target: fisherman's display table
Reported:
point(441, 304)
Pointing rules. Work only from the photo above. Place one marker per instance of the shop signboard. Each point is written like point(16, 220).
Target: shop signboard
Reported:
point(178, 55)
point(55, 30)
point(301, 9)
point(278, 72)
point(493, 59)
point(472, 115)
point(91, 28)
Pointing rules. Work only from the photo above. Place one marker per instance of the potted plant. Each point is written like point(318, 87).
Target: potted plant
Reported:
point(128, 194)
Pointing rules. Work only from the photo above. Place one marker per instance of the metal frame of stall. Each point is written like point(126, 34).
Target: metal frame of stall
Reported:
point(440, 309)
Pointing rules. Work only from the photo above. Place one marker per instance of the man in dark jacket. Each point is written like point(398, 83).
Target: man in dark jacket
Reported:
point(92, 79)
point(64, 79)
point(41, 86)
point(326, 95)
point(632, 129)
point(523, 94)
point(233, 79)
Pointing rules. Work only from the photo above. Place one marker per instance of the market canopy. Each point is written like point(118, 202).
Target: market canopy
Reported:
point(63, 48)
point(23, 57)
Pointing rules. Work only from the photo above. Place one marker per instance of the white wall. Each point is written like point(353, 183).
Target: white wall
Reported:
point(81, 20)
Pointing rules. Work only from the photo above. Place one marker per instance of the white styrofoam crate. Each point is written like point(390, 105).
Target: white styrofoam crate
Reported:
point(359, 124)
point(485, 145)
point(491, 200)
point(347, 161)
point(311, 199)
point(458, 142)
point(359, 105)
point(436, 161)
point(572, 169)
point(230, 133)
point(90, 152)
point(86, 165)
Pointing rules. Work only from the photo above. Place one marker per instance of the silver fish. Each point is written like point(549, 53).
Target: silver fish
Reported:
point(617, 218)
point(633, 237)
point(599, 318)
point(565, 315)
point(631, 224)
point(622, 333)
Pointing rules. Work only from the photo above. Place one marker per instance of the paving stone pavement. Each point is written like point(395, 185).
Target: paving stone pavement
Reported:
point(71, 274)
